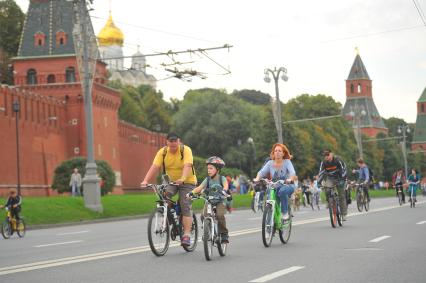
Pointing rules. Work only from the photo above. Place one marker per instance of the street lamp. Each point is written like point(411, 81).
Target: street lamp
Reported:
point(404, 129)
point(16, 108)
point(276, 75)
point(356, 114)
point(251, 141)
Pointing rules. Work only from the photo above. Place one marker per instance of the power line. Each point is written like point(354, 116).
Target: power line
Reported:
point(312, 119)
point(159, 31)
point(420, 11)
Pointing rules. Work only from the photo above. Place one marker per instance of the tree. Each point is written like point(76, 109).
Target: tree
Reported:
point(11, 23)
point(253, 96)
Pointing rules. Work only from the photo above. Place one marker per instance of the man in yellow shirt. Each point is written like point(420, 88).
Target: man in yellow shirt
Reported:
point(179, 166)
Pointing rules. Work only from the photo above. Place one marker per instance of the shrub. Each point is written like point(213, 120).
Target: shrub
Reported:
point(201, 171)
point(63, 172)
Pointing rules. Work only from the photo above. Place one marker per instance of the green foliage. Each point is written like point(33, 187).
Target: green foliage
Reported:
point(144, 107)
point(63, 173)
point(253, 96)
point(11, 22)
point(201, 169)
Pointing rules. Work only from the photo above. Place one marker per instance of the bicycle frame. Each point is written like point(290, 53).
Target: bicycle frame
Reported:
point(211, 215)
point(276, 206)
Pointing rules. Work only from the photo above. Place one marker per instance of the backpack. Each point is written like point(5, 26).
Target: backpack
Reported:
point(181, 149)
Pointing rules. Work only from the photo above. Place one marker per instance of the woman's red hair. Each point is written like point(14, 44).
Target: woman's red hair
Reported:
point(287, 154)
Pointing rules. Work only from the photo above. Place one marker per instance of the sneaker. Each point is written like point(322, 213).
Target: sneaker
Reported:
point(224, 238)
point(185, 241)
point(285, 217)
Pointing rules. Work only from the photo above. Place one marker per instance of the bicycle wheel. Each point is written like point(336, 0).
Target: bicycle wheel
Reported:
point(21, 228)
point(400, 198)
point(268, 227)
point(311, 202)
point(359, 201)
point(221, 247)
point(207, 239)
point(255, 202)
point(6, 229)
point(286, 231)
point(366, 204)
point(333, 211)
point(339, 215)
point(158, 236)
point(193, 235)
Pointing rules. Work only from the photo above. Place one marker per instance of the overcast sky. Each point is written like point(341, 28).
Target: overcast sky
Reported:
point(314, 40)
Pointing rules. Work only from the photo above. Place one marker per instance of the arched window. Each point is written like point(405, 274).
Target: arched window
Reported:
point(31, 77)
point(70, 75)
point(39, 39)
point(61, 38)
point(352, 88)
point(51, 79)
point(359, 88)
point(422, 108)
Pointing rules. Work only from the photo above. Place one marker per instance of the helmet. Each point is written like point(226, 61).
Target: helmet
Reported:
point(216, 162)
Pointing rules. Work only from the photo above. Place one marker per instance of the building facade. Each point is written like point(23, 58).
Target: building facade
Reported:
point(419, 139)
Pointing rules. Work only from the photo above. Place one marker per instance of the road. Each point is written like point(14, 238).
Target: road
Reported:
point(386, 244)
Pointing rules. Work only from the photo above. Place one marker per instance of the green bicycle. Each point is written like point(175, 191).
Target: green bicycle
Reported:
point(271, 220)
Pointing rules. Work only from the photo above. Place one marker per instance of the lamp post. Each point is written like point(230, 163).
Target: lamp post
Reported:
point(253, 158)
point(404, 129)
point(276, 75)
point(16, 108)
point(356, 114)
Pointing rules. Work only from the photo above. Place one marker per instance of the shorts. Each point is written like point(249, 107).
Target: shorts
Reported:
point(185, 204)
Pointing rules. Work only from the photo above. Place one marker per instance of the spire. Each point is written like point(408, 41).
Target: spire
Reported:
point(423, 96)
point(47, 29)
point(358, 70)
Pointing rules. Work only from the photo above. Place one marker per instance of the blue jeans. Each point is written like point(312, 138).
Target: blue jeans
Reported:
point(75, 190)
point(283, 193)
point(412, 187)
point(243, 189)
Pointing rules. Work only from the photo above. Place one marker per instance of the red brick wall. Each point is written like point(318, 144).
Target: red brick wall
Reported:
point(373, 132)
point(366, 88)
point(138, 147)
point(42, 140)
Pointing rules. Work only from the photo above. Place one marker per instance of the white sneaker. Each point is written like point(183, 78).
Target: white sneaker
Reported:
point(286, 216)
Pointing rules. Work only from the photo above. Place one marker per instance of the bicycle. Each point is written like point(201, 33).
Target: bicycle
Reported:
point(399, 194)
point(271, 220)
point(211, 236)
point(11, 225)
point(330, 188)
point(361, 198)
point(166, 214)
point(412, 187)
point(314, 198)
point(258, 200)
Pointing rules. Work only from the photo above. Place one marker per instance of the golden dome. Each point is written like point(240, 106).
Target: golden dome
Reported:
point(110, 34)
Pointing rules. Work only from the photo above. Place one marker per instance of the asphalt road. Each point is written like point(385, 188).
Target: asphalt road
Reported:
point(386, 244)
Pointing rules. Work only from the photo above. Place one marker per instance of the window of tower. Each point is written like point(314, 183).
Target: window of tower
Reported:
point(51, 79)
point(31, 77)
point(352, 88)
point(70, 75)
point(359, 88)
point(39, 39)
point(422, 108)
point(61, 38)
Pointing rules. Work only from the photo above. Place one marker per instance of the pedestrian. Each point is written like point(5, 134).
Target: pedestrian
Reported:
point(75, 183)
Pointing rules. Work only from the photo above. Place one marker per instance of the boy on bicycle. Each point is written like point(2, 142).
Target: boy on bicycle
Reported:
point(215, 185)
point(13, 203)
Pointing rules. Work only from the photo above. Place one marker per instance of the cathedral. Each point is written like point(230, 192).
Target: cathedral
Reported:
point(111, 41)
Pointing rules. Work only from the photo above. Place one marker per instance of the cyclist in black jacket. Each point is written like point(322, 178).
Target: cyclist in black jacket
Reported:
point(13, 203)
point(334, 168)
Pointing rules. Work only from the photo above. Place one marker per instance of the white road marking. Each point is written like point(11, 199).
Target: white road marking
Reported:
point(364, 249)
point(376, 240)
point(277, 274)
point(72, 233)
point(254, 218)
point(421, 222)
point(141, 249)
point(58, 244)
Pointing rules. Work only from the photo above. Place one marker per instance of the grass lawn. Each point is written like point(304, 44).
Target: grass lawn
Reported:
point(65, 209)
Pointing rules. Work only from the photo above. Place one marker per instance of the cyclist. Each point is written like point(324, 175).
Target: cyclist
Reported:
point(14, 202)
point(363, 176)
point(215, 185)
point(398, 179)
point(315, 191)
point(334, 169)
point(414, 181)
point(281, 168)
point(177, 161)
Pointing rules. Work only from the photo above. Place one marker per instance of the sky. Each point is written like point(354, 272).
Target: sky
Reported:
point(314, 40)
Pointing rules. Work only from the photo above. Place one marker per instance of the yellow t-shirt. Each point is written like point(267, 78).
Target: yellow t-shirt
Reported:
point(174, 164)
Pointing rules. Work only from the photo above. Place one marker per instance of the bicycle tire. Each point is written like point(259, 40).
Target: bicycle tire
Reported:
point(400, 198)
point(285, 233)
point(254, 204)
point(366, 204)
point(193, 236)
point(164, 234)
point(332, 211)
point(268, 232)
point(359, 201)
point(21, 227)
point(207, 239)
point(6, 229)
point(339, 215)
point(311, 201)
point(221, 247)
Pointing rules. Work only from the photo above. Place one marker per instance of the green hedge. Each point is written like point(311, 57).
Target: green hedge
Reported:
point(63, 173)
